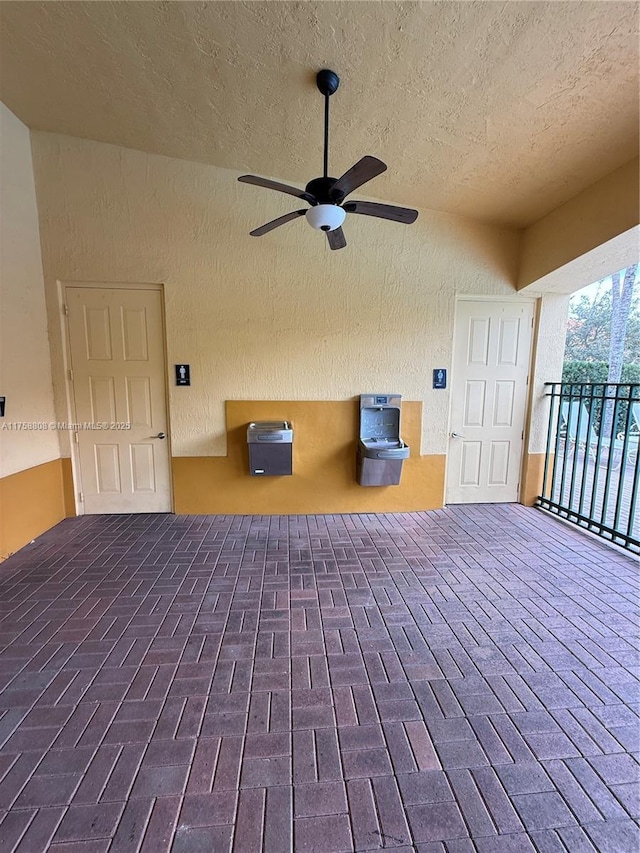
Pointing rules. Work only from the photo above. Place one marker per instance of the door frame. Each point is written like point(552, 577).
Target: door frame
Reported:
point(63, 286)
point(514, 300)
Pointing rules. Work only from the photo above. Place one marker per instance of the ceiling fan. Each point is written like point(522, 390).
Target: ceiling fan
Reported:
point(326, 196)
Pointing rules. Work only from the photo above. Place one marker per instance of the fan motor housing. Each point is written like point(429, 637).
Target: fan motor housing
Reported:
point(321, 189)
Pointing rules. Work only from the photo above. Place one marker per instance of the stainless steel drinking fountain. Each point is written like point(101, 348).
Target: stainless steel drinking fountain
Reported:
point(381, 451)
point(270, 448)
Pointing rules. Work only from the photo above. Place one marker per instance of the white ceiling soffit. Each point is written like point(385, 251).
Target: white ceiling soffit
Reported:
point(499, 111)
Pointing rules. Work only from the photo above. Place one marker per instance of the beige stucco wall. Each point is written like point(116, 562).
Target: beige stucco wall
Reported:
point(25, 365)
point(587, 238)
point(551, 332)
point(279, 317)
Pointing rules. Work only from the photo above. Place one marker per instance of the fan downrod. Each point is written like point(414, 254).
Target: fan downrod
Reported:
point(327, 81)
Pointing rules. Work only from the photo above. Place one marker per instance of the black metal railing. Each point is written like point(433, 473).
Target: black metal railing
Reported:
point(591, 469)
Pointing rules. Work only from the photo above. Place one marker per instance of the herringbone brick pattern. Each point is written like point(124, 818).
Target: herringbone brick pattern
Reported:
point(461, 681)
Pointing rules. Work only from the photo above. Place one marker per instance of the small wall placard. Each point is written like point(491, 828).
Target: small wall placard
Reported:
point(439, 377)
point(183, 374)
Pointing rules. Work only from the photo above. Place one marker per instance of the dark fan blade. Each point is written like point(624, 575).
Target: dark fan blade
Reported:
point(363, 171)
point(274, 185)
point(336, 238)
point(383, 211)
point(275, 223)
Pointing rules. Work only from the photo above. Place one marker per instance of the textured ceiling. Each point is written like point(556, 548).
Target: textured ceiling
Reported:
point(500, 111)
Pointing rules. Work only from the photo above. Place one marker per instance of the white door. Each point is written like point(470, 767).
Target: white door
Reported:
point(116, 343)
point(492, 353)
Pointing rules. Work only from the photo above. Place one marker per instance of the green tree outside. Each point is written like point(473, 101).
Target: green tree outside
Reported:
point(603, 344)
point(589, 329)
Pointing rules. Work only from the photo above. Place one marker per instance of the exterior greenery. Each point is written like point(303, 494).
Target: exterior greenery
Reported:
point(589, 329)
point(596, 371)
point(603, 346)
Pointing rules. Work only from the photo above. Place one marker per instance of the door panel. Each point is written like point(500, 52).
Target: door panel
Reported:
point(470, 469)
point(134, 327)
point(509, 340)
point(139, 408)
point(492, 350)
point(505, 392)
point(499, 463)
point(117, 357)
point(97, 331)
point(108, 478)
point(143, 468)
point(474, 403)
point(479, 340)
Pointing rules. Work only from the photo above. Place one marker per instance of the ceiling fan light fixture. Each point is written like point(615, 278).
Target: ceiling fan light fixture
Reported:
point(325, 194)
point(325, 217)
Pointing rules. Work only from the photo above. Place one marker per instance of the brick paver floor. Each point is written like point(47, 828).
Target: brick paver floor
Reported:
point(445, 682)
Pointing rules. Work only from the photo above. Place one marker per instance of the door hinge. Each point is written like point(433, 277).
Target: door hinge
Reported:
point(70, 375)
point(81, 497)
point(65, 309)
point(76, 438)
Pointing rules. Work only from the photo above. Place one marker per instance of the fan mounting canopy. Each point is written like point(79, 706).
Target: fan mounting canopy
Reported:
point(327, 81)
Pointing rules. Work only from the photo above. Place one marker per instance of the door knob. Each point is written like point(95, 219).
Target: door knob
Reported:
point(456, 435)
point(160, 435)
